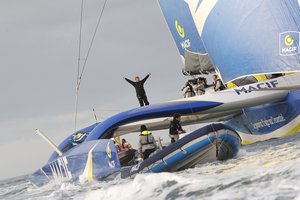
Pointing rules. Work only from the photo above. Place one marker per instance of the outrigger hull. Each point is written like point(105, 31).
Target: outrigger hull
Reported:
point(98, 160)
point(210, 143)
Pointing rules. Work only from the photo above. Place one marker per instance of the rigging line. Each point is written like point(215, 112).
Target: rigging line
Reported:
point(78, 64)
point(85, 61)
point(95, 115)
point(79, 42)
point(91, 44)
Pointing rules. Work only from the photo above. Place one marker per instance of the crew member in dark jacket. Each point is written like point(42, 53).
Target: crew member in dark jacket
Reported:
point(139, 88)
point(175, 128)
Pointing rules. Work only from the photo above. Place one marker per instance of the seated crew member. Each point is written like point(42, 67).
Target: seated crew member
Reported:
point(125, 145)
point(117, 143)
point(147, 144)
point(187, 90)
point(199, 87)
point(218, 85)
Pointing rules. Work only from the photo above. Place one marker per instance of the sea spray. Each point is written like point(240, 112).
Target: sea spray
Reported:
point(266, 170)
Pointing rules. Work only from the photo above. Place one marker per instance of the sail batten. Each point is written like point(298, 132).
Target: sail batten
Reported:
point(240, 37)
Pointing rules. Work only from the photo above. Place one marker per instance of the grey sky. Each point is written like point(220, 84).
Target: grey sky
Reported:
point(39, 48)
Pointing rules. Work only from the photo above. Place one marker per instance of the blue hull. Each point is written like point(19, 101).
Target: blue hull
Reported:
point(253, 124)
point(98, 160)
point(210, 143)
point(247, 123)
point(269, 121)
point(86, 162)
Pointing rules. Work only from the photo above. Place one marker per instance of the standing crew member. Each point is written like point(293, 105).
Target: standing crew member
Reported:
point(147, 143)
point(139, 88)
point(175, 128)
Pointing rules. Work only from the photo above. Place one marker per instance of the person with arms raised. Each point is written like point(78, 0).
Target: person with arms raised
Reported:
point(139, 88)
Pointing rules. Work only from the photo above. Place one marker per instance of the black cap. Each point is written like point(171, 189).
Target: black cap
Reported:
point(176, 115)
point(143, 128)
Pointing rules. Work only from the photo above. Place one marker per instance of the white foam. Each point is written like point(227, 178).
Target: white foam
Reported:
point(267, 169)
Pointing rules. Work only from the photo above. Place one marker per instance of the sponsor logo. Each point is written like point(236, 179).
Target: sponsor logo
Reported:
point(186, 43)
point(268, 122)
point(135, 168)
point(264, 85)
point(179, 29)
point(108, 151)
point(111, 164)
point(288, 40)
point(289, 43)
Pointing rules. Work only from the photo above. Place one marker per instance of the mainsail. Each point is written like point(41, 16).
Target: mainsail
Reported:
point(186, 36)
point(240, 37)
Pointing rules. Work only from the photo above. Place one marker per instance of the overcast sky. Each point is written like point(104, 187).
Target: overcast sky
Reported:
point(39, 49)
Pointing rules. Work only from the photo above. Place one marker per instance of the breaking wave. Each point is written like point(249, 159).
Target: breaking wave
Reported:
point(266, 170)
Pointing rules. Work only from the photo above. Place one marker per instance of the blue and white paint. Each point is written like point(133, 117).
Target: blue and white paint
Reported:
point(240, 37)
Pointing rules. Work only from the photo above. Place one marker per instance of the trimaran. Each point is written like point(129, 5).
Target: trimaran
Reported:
point(253, 46)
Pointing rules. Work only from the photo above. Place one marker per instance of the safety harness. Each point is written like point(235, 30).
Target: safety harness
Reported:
point(146, 133)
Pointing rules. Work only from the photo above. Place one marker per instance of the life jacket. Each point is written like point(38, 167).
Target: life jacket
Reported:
point(174, 127)
point(147, 134)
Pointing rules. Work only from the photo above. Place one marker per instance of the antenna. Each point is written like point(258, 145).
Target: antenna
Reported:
point(95, 115)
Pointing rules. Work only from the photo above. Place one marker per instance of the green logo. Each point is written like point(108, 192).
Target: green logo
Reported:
point(288, 40)
point(179, 29)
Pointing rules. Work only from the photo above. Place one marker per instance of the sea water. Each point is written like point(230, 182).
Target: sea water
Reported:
point(265, 170)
